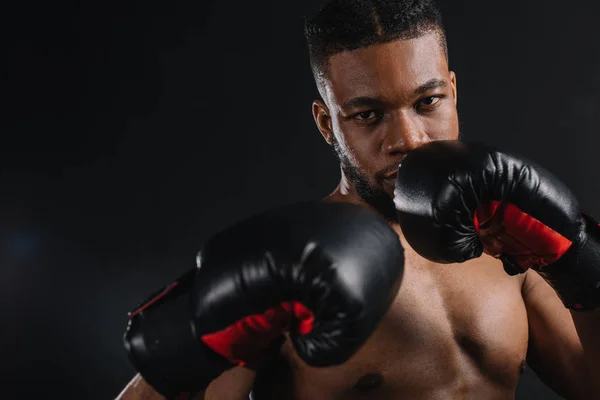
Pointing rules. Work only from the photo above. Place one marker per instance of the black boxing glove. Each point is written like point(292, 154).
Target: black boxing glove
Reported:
point(454, 199)
point(324, 272)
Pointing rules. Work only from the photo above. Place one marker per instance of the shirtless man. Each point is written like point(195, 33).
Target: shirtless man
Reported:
point(458, 330)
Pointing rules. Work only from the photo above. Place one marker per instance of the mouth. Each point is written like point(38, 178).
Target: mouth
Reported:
point(391, 176)
point(392, 171)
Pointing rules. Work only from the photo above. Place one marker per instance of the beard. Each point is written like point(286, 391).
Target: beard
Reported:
point(370, 193)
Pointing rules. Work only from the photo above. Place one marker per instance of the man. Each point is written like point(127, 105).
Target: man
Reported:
point(463, 330)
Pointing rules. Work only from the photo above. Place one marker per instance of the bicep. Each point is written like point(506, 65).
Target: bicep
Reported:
point(555, 351)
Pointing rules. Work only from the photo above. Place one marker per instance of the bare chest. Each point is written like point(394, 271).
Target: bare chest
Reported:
point(452, 328)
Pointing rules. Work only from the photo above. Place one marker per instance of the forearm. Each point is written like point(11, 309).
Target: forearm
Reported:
point(579, 285)
point(587, 323)
point(139, 389)
point(588, 328)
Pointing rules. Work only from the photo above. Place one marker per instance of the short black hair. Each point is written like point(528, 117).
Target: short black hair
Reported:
point(342, 25)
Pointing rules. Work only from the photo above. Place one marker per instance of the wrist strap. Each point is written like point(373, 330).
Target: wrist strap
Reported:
point(163, 347)
point(576, 275)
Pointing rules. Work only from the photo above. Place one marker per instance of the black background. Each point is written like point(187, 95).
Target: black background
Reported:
point(132, 130)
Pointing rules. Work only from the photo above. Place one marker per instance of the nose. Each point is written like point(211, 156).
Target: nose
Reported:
point(404, 134)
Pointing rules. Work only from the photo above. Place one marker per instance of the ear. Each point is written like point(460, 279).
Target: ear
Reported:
point(322, 119)
point(453, 86)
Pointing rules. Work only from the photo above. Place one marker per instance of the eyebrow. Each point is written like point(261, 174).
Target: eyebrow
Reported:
point(362, 101)
point(431, 84)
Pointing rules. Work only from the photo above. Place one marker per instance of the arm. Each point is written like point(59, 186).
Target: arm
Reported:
point(588, 326)
point(480, 199)
point(285, 271)
point(138, 389)
point(555, 350)
point(234, 384)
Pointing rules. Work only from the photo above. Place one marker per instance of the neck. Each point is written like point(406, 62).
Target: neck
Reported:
point(345, 192)
point(345, 188)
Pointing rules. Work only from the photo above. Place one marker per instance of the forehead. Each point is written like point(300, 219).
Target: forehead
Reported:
point(386, 70)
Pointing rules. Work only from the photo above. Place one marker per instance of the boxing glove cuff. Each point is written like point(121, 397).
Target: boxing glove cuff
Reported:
point(162, 345)
point(576, 275)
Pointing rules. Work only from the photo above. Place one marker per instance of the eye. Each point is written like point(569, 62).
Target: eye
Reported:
point(430, 101)
point(369, 117)
point(365, 115)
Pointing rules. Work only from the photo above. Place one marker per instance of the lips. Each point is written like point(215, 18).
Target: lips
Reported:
point(392, 175)
point(392, 170)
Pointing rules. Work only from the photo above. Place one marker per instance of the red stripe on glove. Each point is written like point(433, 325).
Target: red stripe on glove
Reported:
point(504, 228)
point(246, 341)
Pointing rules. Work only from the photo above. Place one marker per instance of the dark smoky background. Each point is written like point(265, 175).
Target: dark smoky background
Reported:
point(131, 131)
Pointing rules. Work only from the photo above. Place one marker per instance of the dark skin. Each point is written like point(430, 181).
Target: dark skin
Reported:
point(454, 331)
point(378, 111)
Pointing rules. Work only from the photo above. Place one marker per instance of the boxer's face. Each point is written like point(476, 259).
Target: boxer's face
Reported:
point(382, 101)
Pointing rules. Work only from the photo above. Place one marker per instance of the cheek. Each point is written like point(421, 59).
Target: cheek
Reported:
point(443, 124)
point(358, 147)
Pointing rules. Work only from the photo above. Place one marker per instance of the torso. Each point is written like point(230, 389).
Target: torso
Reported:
point(454, 331)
